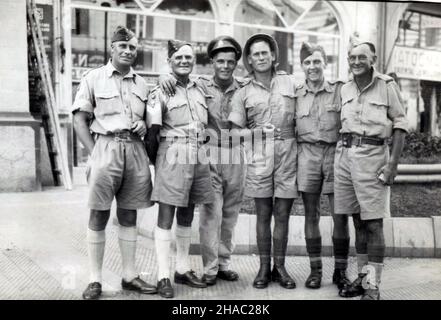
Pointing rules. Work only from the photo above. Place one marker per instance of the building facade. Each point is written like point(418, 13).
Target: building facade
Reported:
point(78, 32)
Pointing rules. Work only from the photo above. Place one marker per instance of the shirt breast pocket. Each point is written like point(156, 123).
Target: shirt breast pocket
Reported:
point(138, 103)
point(107, 103)
point(288, 106)
point(376, 112)
point(178, 113)
point(202, 111)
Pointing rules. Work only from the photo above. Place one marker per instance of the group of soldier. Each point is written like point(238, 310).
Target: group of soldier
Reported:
point(265, 136)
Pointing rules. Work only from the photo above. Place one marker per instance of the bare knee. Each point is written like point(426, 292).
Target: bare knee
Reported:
point(126, 217)
point(98, 219)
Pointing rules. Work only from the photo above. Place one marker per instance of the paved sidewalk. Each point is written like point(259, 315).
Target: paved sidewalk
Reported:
point(43, 256)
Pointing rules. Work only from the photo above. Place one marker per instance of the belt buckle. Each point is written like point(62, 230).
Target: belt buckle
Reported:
point(358, 140)
point(121, 136)
point(347, 140)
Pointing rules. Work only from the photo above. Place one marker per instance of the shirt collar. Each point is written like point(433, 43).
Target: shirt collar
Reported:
point(325, 86)
point(233, 86)
point(110, 70)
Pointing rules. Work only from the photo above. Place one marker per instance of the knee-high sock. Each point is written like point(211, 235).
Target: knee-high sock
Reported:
point(341, 251)
point(183, 239)
point(162, 244)
point(96, 243)
point(127, 237)
point(314, 248)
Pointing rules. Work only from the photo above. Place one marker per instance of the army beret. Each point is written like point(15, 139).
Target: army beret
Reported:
point(175, 45)
point(224, 43)
point(308, 49)
point(260, 37)
point(122, 34)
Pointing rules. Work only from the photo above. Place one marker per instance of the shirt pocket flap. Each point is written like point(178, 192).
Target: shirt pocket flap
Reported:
point(140, 94)
point(203, 104)
point(378, 103)
point(176, 104)
point(332, 107)
point(347, 100)
point(106, 94)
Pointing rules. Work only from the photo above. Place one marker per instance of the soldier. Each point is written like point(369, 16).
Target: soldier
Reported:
point(218, 219)
point(181, 179)
point(114, 98)
point(372, 114)
point(265, 105)
point(318, 123)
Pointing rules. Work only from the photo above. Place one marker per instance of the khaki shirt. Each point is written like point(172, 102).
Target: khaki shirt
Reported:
point(219, 105)
point(180, 114)
point(254, 105)
point(318, 113)
point(375, 111)
point(115, 102)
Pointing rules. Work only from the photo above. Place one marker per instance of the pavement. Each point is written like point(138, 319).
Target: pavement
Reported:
point(43, 256)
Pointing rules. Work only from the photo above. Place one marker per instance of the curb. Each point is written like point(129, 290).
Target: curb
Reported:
point(404, 237)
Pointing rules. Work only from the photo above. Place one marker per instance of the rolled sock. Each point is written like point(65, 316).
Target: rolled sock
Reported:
point(314, 248)
point(96, 244)
point(341, 251)
point(127, 237)
point(162, 244)
point(183, 239)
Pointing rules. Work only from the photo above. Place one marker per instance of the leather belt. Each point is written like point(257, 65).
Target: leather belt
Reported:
point(352, 139)
point(320, 143)
point(124, 135)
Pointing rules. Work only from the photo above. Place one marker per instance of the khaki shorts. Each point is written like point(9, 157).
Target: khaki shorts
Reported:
point(272, 170)
point(119, 169)
point(180, 177)
point(356, 186)
point(315, 172)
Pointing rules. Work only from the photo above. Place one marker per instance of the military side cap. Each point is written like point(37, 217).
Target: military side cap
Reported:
point(122, 34)
point(355, 41)
point(259, 36)
point(308, 49)
point(224, 43)
point(175, 45)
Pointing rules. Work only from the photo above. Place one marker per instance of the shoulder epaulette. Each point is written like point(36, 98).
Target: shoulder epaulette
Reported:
point(204, 77)
point(336, 81)
point(281, 72)
point(385, 77)
point(243, 81)
point(300, 86)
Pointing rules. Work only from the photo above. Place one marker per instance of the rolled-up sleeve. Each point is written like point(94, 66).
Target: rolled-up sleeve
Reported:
point(237, 115)
point(396, 110)
point(84, 100)
point(154, 109)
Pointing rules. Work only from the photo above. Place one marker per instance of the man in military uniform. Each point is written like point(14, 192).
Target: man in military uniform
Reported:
point(372, 114)
point(218, 219)
point(181, 177)
point(113, 98)
point(318, 123)
point(265, 107)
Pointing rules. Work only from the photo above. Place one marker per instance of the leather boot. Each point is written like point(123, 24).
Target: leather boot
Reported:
point(279, 273)
point(264, 275)
point(314, 280)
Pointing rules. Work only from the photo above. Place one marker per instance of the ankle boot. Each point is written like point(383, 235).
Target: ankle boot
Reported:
point(279, 274)
point(264, 275)
point(314, 280)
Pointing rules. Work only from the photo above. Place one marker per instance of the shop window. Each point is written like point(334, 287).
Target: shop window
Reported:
point(420, 30)
point(81, 22)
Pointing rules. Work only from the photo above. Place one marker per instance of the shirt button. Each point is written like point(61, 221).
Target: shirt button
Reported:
point(278, 130)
